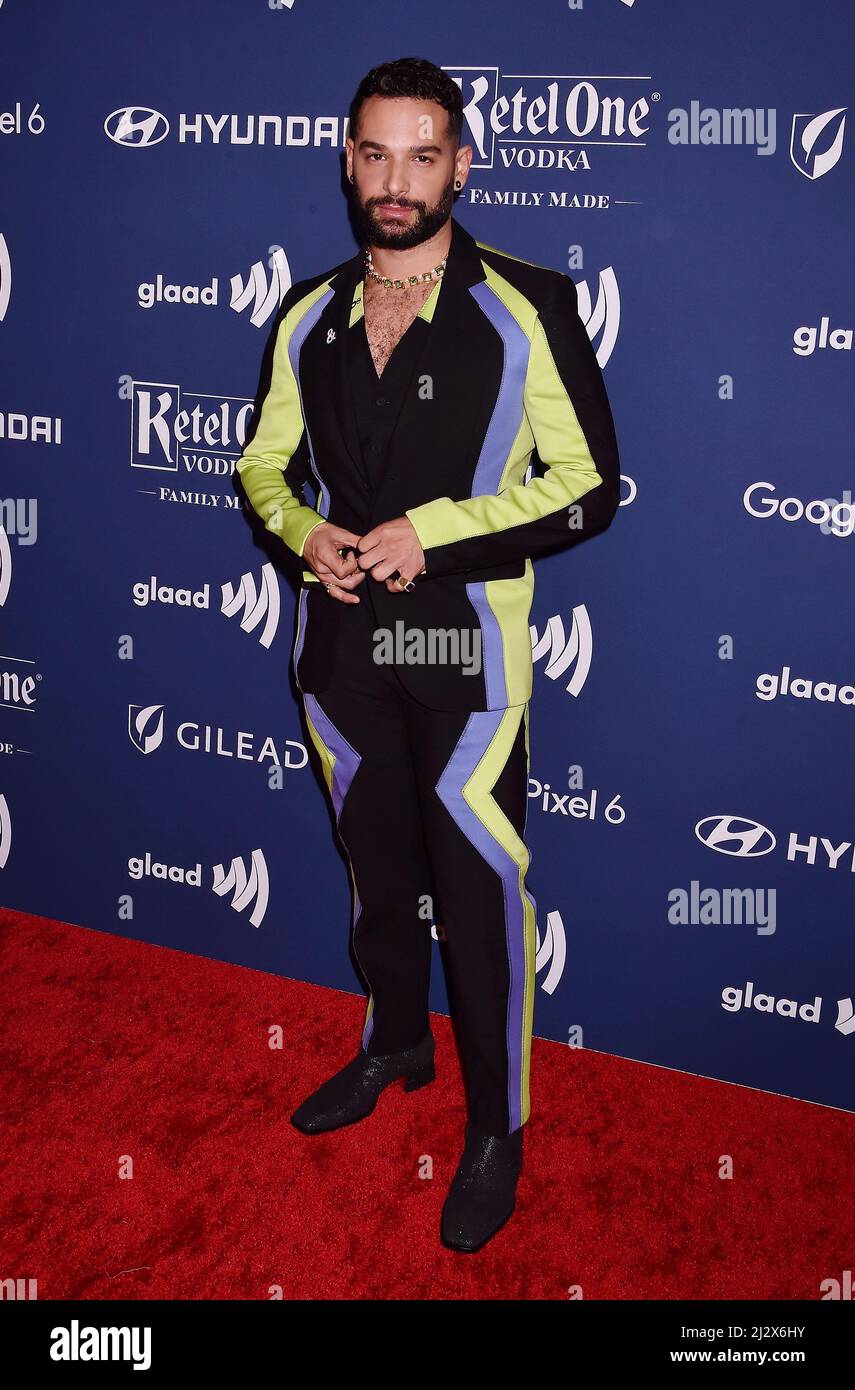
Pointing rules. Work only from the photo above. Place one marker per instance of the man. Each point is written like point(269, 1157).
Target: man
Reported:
point(416, 383)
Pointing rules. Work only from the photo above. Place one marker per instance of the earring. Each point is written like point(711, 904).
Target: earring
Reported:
point(350, 176)
point(457, 183)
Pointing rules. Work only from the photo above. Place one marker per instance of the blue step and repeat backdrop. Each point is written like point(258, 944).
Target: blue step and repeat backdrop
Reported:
point(168, 170)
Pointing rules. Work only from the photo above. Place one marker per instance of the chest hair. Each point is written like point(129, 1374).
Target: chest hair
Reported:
point(388, 315)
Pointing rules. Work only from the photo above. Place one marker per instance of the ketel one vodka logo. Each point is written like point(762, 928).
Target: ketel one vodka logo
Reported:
point(252, 604)
point(563, 652)
point(19, 685)
point(191, 435)
point(242, 888)
point(548, 122)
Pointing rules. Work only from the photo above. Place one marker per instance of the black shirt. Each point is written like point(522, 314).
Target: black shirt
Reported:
point(377, 401)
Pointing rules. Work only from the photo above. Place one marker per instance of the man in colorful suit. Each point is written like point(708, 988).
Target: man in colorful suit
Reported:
point(447, 406)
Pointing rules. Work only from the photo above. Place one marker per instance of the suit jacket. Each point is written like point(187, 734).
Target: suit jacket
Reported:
point(506, 377)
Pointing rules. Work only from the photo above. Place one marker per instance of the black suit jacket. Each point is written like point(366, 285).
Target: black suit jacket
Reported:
point(506, 378)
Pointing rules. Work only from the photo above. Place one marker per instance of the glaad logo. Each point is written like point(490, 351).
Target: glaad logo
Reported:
point(769, 687)
point(734, 998)
point(252, 603)
point(552, 951)
point(253, 887)
point(5, 566)
point(5, 831)
point(845, 1017)
point(255, 604)
point(264, 296)
point(145, 728)
point(807, 339)
point(564, 651)
point(604, 318)
point(245, 888)
point(136, 126)
point(811, 133)
point(5, 277)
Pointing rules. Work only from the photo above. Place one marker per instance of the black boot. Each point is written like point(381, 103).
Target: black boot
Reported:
point(353, 1092)
point(482, 1195)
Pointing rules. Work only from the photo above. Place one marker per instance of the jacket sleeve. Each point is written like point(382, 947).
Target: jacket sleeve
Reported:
point(274, 463)
point(568, 413)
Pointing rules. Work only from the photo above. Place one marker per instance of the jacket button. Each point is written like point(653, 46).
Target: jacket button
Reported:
point(382, 400)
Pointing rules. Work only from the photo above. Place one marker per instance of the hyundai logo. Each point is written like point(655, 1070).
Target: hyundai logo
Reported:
point(747, 839)
point(136, 125)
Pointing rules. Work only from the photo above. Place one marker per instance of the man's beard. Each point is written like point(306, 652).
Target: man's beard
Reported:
point(394, 236)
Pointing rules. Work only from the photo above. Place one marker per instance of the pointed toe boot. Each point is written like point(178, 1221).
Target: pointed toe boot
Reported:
point(353, 1092)
point(482, 1195)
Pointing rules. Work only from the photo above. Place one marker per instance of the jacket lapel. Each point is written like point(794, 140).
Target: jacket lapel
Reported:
point(348, 293)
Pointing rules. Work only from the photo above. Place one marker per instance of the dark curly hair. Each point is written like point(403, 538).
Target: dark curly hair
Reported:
point(411, 77)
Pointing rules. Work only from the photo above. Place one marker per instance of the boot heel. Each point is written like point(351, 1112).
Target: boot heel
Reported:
point(422, 1076)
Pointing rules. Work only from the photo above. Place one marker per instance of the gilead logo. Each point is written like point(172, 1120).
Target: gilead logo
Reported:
point(734, 997)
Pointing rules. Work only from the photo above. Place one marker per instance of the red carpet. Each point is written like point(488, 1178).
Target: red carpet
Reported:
point(114, 1048)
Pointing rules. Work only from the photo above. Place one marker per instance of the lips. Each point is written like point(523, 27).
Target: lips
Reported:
point(391, 210)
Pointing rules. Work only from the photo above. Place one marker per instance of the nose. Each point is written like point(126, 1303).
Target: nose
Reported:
point(395, 182)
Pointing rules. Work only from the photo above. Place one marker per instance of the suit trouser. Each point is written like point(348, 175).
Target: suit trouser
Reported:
point(431, 810)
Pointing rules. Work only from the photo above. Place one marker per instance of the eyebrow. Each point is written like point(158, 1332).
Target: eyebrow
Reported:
point(414, 149)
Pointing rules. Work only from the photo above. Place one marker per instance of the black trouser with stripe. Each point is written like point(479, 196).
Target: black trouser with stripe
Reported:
point(431, 810)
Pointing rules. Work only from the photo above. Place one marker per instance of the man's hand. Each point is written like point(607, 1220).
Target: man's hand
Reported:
point(393, 545)
point(341, 573)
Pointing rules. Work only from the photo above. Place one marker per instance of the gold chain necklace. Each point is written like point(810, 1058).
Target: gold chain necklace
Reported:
point(410, 280)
